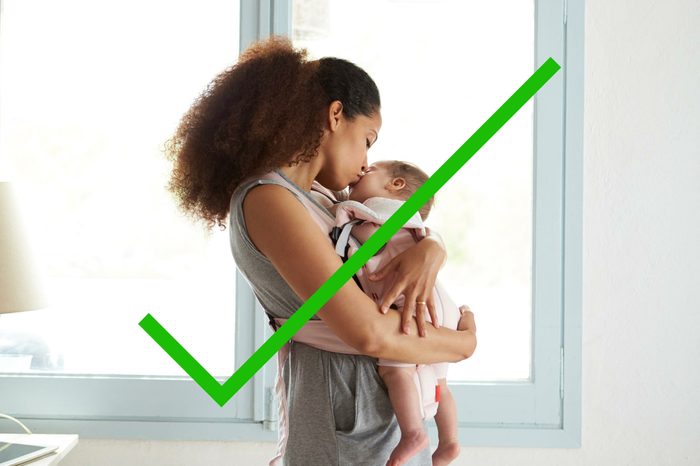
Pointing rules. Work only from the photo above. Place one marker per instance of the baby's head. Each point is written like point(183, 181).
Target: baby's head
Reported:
point(393, 179)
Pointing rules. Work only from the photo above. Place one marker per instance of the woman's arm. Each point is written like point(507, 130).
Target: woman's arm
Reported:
point(282, 229)
point(393, 343)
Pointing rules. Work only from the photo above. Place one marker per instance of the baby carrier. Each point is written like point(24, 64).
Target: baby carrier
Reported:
point(315, 332)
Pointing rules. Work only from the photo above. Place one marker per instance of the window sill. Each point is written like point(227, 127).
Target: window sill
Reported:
point(166, 430)
point(524, 436)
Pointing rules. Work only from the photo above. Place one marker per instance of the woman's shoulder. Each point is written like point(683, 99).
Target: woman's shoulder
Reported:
point(247, 204)
point(271, 178)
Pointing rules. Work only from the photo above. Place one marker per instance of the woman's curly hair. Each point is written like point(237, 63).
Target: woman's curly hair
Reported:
point(265, 111)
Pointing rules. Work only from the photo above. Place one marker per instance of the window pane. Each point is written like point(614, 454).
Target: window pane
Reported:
point(442, 68)
point(90, 91)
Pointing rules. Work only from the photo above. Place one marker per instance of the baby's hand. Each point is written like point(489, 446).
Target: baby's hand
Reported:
point(466, 322)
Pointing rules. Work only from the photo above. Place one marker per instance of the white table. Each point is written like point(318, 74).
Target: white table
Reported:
point(65, 444)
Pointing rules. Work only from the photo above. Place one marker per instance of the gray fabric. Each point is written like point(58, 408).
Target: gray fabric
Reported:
point(339, 409)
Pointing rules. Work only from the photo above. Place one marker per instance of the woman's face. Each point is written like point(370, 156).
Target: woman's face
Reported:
point(344, 148)
point(373, 184)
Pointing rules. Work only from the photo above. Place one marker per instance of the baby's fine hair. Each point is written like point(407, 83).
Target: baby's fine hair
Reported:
point(414, 176)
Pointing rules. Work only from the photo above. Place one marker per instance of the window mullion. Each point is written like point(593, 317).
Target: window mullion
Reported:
point(259, 19)
point(248, 400)
point(263, 18)
point(548, 221)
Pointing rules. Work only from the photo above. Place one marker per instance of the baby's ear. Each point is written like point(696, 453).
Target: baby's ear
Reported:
point(398, 184)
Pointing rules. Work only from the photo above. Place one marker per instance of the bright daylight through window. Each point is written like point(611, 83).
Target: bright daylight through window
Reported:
point(85, 110)
point(442, 68)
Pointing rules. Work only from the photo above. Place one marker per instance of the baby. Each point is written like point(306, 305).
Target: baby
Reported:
point(385, 186)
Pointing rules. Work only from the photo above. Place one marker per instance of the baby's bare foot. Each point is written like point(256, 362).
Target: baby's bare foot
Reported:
point(445, 453)
point(410, 444)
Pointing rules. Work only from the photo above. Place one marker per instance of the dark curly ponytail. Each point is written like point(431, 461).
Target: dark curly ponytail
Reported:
point(266, 111)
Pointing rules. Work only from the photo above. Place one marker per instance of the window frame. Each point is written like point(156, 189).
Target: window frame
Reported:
point(542, 412)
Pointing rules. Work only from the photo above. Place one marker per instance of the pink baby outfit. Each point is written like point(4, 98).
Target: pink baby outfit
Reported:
point(362, 220)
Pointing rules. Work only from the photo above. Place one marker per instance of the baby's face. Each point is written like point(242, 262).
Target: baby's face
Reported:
point(372, 184)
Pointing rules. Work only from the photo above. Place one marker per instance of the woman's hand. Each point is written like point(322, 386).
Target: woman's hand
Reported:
point(466, 321)
point(466, 324)
point(414, 273)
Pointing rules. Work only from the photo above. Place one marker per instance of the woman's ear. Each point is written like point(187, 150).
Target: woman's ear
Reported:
point(335, 112)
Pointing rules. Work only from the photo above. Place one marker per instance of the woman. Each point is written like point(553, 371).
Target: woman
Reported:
point(309, 121)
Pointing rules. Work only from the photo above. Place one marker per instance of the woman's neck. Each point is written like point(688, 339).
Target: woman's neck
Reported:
point(303, 174)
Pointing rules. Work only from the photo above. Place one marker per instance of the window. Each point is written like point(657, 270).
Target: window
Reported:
point(433, 98)
point(511, 217)
point(442, 68)
point(91, 91)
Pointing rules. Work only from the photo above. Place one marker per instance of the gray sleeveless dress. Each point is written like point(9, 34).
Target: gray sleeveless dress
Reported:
point(339, 408)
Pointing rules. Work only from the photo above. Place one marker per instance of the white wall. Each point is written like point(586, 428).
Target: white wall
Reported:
point(641, 342)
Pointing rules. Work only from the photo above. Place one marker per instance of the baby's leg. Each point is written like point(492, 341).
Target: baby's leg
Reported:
point(405, 400)
point(446, 421)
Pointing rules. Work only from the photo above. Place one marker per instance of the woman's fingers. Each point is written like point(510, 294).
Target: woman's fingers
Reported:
point(412, 307)
point(428, 291)
point(433, 312)
point(413, 282)
point(391, 295)
point(406, 315)
point(420, 316)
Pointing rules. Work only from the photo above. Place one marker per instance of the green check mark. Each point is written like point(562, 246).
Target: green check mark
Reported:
point(223, 393)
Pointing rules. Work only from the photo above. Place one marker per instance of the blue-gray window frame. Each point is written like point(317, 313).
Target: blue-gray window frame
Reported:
point(542, 412)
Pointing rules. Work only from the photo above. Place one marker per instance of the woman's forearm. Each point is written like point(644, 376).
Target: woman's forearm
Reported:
point(439, 345)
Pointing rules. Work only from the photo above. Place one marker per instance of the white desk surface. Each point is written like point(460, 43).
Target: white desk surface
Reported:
point(65, 444)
